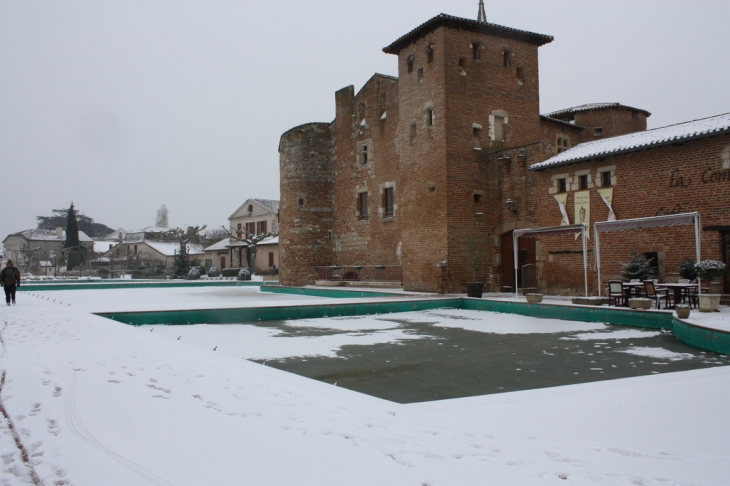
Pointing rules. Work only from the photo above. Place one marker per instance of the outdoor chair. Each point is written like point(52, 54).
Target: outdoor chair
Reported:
point(615, 293)
point(657, 294)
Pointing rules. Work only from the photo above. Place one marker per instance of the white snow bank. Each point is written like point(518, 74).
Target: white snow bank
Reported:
point(658, 353)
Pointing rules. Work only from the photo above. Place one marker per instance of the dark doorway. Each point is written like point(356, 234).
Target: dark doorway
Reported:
point(525, 254)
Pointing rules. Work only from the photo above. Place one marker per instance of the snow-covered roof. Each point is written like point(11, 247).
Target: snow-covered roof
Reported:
point(104, 246)
point(49, 235)
point(152, 229)
point(270, 205)
point(637, 141)
point(269, 241)
point(449, 21)
point(591, 107)
point(220, 246)
point(170, 248)
point(114, 235)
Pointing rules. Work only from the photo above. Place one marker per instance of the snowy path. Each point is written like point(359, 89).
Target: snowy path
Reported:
point(97, 402)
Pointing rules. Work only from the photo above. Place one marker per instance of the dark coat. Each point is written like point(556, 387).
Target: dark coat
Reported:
point(10, 276)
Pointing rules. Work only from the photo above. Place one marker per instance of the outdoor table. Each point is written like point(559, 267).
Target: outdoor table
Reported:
point(679, 289)
point(629, 289)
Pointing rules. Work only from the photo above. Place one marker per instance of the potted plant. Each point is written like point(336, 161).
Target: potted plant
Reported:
point(533, 298)
point(682, 311)
point(475, 256)
point(710, 270)
point(687, 269)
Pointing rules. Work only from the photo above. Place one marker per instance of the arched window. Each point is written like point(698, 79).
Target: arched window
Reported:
point(476, 51)
point(507, 58)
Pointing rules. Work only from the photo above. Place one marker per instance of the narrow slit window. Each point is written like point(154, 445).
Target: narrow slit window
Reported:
point(429, 117)
point(362, 212)
point(413, 132)
point(420, 75)
point(476, 136)
point(409, 62)
point(388, 203)
point(429, 53)
point(476, 51)
point(507, 59)
point(562, 185)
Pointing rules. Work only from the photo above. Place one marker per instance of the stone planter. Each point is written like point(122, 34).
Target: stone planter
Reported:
point(715, 287)
point(587, 300)
point(682, 312)
point(640, 303)
point(474, 289)
point(709, 302)
point(533, 297)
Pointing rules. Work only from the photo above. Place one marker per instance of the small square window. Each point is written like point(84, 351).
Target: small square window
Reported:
point(563, 144)
point(562, 185)
point(477, 197)
point(598, 132)
point(606, 179)
point(583, 181)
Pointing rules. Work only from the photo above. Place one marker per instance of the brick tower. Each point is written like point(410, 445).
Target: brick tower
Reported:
point(466, 88)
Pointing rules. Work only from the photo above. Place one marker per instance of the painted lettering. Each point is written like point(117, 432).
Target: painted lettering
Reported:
point(710, 177)
point(678, 180)
point(664, 211)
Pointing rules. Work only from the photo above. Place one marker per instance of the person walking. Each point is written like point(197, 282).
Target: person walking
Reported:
point(10, 280)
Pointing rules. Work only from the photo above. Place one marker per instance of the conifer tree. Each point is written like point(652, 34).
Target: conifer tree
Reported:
point(638, 267)
point(72, 229)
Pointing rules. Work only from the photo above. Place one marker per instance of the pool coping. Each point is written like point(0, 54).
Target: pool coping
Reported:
point(695, 335)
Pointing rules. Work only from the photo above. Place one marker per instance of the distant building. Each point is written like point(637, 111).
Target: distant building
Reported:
point(27, 249)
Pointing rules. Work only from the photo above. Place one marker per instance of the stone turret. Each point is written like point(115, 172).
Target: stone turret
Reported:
point(305, 163)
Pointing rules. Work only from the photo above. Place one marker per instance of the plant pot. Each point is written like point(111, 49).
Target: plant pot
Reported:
point(715, 287)
point(709, 302)
point(475, 289)
point(682, 312)
point(533, 297)
point(640, 303)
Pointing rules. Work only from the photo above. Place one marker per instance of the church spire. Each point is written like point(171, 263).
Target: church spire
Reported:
point(482, 17)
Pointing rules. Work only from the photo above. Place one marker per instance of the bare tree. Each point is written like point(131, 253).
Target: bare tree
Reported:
point(251, 240)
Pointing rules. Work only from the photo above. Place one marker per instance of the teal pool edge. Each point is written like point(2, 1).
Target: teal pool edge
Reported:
point(700, 337)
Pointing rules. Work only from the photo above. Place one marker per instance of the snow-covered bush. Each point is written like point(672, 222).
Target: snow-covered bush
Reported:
point(687, 269)
point(193, 274)
point(710, 270)
point(214, 272)
point(244, 274)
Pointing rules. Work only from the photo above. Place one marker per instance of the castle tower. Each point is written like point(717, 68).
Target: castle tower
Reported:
point(466, 88)
point(305, 208)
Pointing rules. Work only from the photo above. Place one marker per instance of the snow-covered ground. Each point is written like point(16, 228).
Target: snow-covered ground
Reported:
point(88, 401)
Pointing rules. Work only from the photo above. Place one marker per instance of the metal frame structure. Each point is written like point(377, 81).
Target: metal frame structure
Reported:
point(641, 223)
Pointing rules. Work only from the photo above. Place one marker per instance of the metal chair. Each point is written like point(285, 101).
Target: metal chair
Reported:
point(616, 293)
point(657, 294)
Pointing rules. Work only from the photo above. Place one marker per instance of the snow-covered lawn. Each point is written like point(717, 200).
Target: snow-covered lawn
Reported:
point(89, 401)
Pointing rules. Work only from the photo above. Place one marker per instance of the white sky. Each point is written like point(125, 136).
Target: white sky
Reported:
point(121, 106)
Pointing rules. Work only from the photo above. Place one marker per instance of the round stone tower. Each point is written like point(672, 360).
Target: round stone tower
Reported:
point(305, 209)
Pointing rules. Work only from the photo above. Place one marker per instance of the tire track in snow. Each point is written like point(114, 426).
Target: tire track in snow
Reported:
point(80, 430)
point(32, 475)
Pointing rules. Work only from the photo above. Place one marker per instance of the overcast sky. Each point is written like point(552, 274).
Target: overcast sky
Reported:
point(121, 106)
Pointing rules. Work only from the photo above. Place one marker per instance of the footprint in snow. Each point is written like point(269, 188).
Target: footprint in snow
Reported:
point(57, 391)
point(35, 410)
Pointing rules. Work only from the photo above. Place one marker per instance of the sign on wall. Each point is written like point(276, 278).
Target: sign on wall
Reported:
point(583, 210)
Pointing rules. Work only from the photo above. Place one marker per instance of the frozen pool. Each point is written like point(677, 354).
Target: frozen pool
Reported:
point(447, 353)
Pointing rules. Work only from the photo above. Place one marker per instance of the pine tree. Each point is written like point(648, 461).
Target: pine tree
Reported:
point(72, 229)
point(638, 267)
point(72, 240)
point(180, 265)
